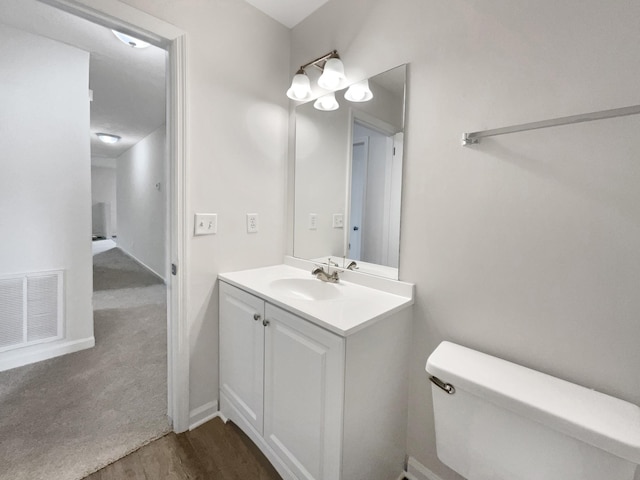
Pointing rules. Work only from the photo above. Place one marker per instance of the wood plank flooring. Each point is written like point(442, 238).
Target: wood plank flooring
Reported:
point(213, 451)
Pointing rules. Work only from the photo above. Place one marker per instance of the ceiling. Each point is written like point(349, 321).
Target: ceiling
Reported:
point(288, 12)
point(128, 83)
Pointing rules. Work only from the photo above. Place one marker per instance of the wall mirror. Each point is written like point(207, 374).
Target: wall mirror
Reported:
point(348, 178)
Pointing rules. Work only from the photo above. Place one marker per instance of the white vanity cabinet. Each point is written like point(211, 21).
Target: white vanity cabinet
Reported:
point(242, 352)
point(303, 394)
point(284, 376)
point(320, 405)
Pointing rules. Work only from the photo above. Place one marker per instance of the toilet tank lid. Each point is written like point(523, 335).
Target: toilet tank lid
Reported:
point(600, 420)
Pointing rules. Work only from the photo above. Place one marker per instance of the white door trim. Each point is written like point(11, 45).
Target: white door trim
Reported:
point(115, 14)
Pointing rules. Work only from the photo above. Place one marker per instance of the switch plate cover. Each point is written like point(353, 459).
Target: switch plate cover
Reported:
point(313, 221)
point(206, 223)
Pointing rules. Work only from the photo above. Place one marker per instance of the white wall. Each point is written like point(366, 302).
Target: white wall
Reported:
point(238, 71)
point(385, 105)
point(45, 195)
point(103, 190)
point(142, 207)
point(525, 246)
point(321, 176)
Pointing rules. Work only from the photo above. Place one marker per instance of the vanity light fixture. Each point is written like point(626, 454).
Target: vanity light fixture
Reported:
point(300, 86)
point(108, 138)
point(129, 40)
point(359, 92)
point(333, 74)
point(326, 103)
point(331, 79)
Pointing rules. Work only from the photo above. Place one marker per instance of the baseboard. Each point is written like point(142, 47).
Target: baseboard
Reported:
point(128, 253)
point(42, 351)
point(417, 471)
point(203, 414)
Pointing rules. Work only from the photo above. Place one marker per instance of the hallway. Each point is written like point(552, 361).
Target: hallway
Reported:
point(69, 416)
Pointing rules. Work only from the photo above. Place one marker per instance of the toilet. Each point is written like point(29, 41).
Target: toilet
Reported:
point(496, 420)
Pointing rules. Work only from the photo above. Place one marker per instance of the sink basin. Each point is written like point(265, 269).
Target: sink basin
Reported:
point(306, 288)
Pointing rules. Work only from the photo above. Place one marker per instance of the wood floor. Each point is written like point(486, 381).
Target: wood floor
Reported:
point(212, 451)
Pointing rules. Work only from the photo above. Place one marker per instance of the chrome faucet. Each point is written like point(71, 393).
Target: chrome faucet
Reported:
point(326, 276)
point(352, 265)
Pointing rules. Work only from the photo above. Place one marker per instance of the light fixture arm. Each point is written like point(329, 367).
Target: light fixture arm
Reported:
point(323, 58)
point(332, 76)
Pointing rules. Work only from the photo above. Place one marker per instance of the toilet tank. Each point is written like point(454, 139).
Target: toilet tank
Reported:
point(507, 422)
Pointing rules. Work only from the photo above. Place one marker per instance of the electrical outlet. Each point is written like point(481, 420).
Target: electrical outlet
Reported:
point(338, 220)
point(252, 222)
point(206, 223)
point(313, 221)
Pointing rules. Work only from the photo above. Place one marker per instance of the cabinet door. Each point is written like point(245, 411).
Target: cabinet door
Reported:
point(242, 352)
point(304, 389)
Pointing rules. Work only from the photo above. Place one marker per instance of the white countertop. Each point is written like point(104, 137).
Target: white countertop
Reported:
point(354, 308)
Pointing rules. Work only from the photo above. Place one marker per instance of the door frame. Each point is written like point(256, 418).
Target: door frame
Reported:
point(364, 141)
point(384, 128)
point(117, 15)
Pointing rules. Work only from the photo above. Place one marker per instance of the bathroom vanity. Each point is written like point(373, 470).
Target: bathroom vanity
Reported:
point(316, 373)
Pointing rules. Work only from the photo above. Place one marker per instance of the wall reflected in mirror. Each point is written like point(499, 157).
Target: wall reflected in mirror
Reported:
point(348, 178)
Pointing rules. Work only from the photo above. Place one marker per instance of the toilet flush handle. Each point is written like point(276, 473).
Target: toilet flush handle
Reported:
point(447, 387)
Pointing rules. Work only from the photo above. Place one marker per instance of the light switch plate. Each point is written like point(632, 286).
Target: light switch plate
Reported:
point(252, 222)
point(206, 223)
point(338, 220)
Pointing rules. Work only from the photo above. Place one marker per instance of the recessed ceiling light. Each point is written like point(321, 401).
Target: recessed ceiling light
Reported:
point(108, 138)
point(129, 40)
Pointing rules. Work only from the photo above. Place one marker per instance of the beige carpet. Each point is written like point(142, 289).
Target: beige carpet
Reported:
point(64, 418)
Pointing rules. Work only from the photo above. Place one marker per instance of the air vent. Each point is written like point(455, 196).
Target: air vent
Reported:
point(31, 309)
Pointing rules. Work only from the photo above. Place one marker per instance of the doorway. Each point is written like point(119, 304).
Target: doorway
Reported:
point(111, 14)
point(115, 15)
point(375, 186)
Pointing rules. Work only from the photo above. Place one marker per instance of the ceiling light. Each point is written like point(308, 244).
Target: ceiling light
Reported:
point(331, 79)
point(359, 92)
point(129, 40)
point(300, 87)
point(327, 103)
point(108, 138)
point(332, 74)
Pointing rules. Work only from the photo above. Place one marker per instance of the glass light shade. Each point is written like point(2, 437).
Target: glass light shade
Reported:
point(108, 138)
point(332, 74)
point(300, 87)
point(129, 40)
point(359, 92)
point(326, 103)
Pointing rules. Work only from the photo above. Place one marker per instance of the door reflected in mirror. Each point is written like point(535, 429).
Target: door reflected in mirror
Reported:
point(348, 178)
point(376, 190)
